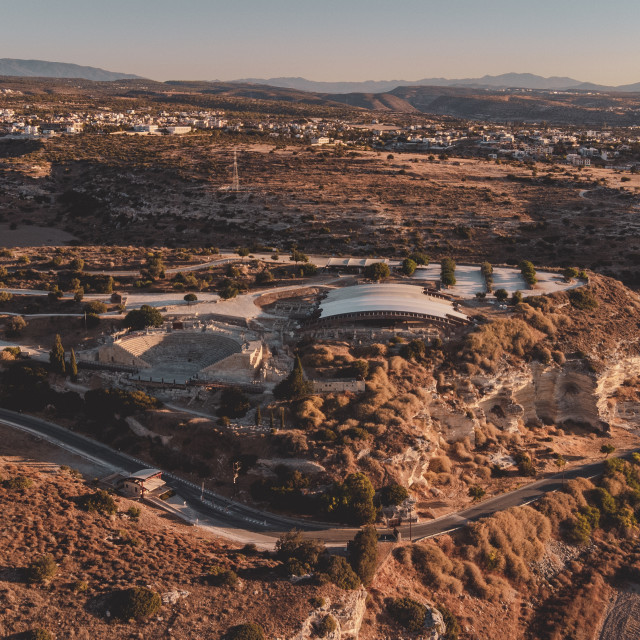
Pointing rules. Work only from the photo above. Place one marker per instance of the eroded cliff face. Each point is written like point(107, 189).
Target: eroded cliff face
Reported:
point(531, 394)
point(347, 614)
point(557, 394)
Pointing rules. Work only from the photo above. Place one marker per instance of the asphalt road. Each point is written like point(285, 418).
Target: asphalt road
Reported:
point(263, 527)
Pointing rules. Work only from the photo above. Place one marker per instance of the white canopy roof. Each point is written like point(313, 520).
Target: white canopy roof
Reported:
point(403, 298)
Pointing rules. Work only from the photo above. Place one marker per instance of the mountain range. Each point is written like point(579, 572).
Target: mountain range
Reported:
point(503, 81)
point(45, 69)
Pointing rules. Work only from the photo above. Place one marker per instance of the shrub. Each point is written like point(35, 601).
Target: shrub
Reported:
point(92, 320)
point(42, 569)
point(326, 626)
point(80, 586)
point(451, 623)
point(501, 295)
point(101, 403)
point(134, 512)
point(583, 299)
point(246, 631)
point(264, 277)
point(340, 572)
point(38, 634)
point(233, 403)
point(136, 603)
point(100, 502)
point(579, 531)
point(221, 576)
point(440, 464)
point(409, 613)
point(18, 483)
point(525, 465)
point(413, 350)
point(317, 602)
point(292, 546)
point(96, 307)
point(488, 343)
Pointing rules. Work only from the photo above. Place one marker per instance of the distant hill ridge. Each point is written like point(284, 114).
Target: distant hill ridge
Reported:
point(503, 81)
point(45, 69)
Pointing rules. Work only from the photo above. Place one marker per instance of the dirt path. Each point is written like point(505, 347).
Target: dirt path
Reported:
point(622, 621)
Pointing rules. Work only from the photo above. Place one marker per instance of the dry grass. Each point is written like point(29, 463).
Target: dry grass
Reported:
point(487, 345)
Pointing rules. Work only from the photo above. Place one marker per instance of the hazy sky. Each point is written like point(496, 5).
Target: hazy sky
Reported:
point(591, 40)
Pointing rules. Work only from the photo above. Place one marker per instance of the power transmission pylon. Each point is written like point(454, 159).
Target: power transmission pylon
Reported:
point(235, 185)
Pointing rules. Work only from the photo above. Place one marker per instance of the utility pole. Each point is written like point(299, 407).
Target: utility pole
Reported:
point(236, 466)
point(235, 185)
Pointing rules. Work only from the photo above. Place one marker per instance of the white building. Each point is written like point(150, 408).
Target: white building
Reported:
point(178, 130)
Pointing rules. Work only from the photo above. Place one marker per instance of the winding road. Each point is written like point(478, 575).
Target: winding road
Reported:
point(239, 521)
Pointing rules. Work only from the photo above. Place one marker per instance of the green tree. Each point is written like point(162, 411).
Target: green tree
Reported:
point(77, 264)
point(363, 554)
point(570, 273)
point(420, 258)
point(15, 326)
point(154, 268)
point(295, 385)
point(408, 267)
point(258, 417)
point(477, 493)
point(233, 403)
point(56, 356)
point(528, 272)
point(78, 294)
point(73, 366)
point(393, 494)
point(607, 449)
point(501, 295)
point(377, 271)
point(143, 317)
point(447, 272)
point(352, 500)
point(190, 297)
point(486, 268)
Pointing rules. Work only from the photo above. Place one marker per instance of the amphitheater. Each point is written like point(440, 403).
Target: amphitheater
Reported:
point(179, 355)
